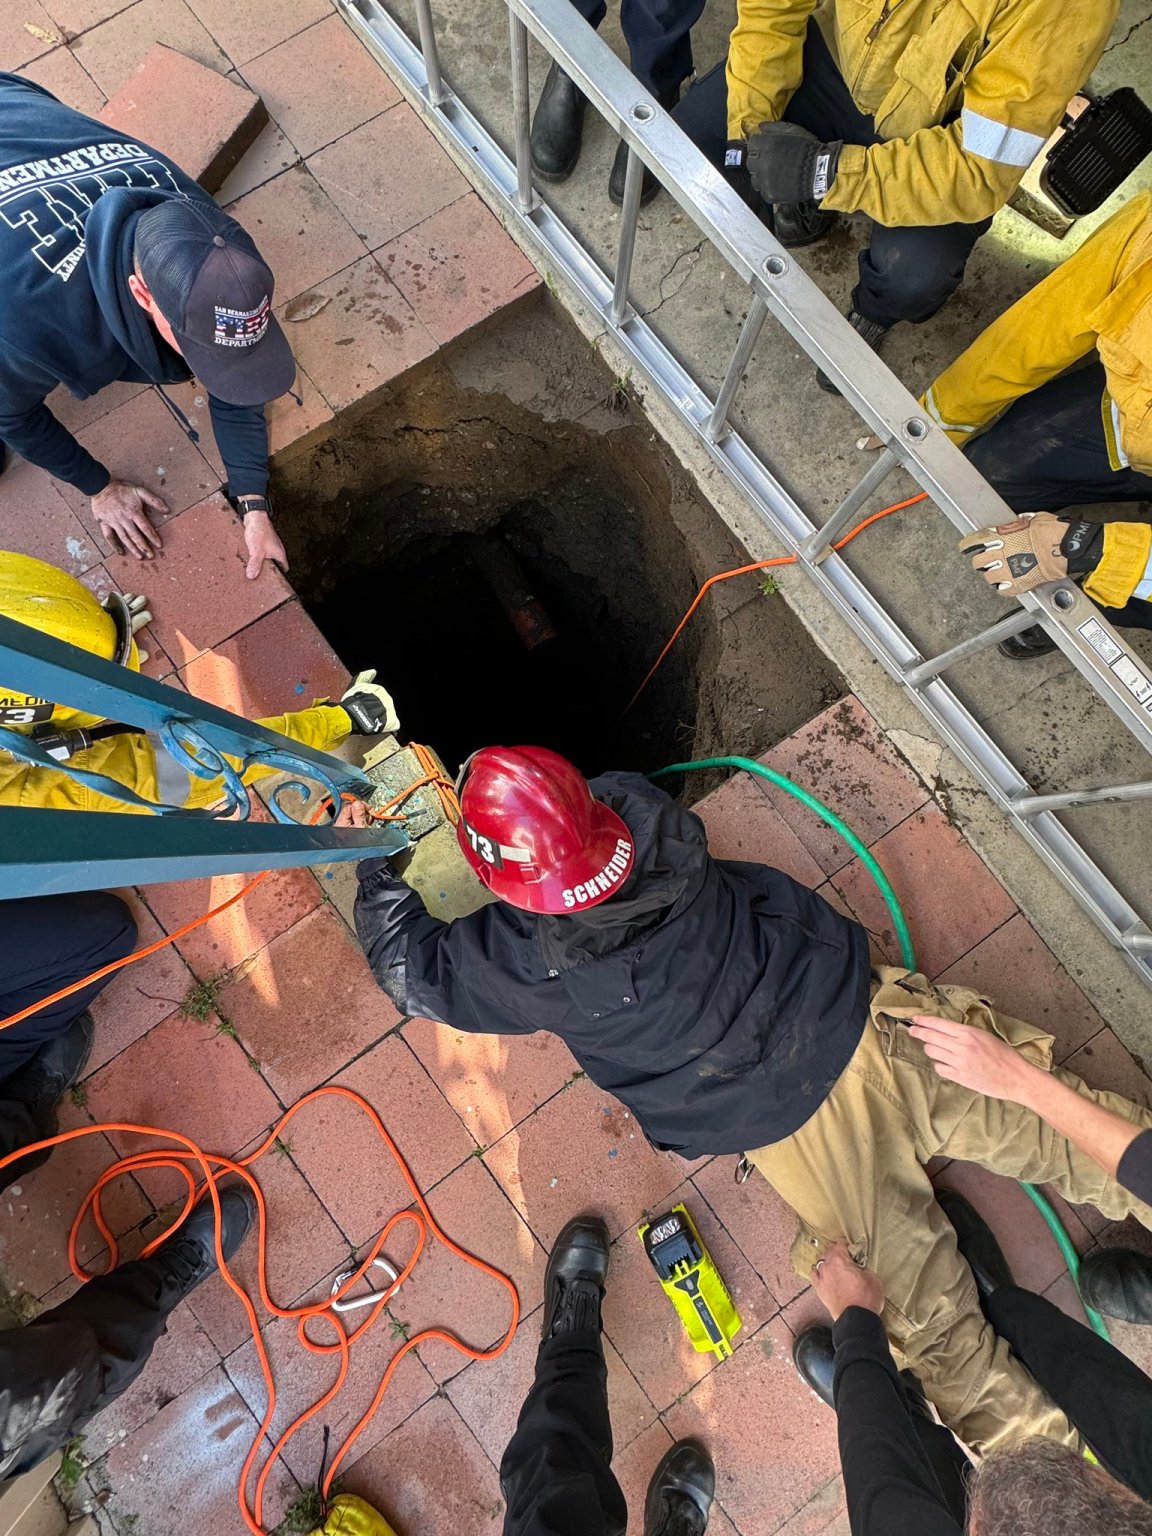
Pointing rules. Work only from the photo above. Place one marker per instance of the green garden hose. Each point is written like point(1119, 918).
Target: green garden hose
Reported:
point(908, 955)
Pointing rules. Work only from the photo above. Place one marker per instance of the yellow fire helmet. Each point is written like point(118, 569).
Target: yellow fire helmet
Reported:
point(46, 598)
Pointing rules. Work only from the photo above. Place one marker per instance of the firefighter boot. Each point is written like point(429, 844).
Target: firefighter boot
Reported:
point(557, 127)
point(649, 185)
point(574, 1281)
point(189, 1255)
point(977, 1245)
point(814, 1357)
point(42, 1082)
point(873, 333)
point(1118, 1282)
point(681, 1492)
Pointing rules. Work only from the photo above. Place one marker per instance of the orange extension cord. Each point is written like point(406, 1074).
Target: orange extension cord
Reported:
point(744, 570)
point(212, 1168)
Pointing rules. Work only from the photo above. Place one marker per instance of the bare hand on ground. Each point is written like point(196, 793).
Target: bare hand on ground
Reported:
point(975, 1059)
point(263, 544)
point(121, 510)
point(840, 1282)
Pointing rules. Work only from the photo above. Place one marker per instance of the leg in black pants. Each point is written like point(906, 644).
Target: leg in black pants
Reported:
point(1107, 1397)
point(906, 273)
point(1048, 452)
point(658, 36)
point(557, 1470)
point(47, 942)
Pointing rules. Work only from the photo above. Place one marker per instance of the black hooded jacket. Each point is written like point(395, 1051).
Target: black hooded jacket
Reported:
point(719, 1001)
point(71, 192)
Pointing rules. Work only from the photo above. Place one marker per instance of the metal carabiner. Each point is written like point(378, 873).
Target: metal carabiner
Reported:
point(351, 1303)
point(743, 1171)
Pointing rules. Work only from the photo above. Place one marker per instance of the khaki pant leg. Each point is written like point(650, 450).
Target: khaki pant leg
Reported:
point(855, 1170)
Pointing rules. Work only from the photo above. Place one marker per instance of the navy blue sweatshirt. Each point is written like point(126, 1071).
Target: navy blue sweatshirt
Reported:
point(71, 191)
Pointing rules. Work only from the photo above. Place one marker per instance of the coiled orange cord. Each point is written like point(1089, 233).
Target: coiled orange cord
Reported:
point(212, 1168)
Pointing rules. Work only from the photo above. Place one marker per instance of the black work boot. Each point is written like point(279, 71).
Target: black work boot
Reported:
point(681, 1492)
point(574, 1280)
point(188, 1257)
point(557, 127)
point(873, 333)
point(1027, 644)
point(814, 1357)
point(976, 1243)
point(798, 224)
point(42, 1082)
point(649, 186)
point(1118, 1282)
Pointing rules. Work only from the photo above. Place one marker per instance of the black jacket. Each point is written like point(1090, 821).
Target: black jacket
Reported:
point(720, 1002)
point(71, 191)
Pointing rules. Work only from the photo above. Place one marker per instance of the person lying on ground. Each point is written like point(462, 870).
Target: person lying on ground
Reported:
point(732, 1010)
point(922, 117)
point(117, 266)
point(1115, 1281)
point(906, 1475)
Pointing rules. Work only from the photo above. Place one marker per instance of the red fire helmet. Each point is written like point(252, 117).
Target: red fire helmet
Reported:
point(531, 830)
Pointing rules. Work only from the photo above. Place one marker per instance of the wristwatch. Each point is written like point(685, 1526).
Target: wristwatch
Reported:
point(248, 504)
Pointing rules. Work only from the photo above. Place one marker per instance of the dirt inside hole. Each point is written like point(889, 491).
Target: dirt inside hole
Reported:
point(415, 532)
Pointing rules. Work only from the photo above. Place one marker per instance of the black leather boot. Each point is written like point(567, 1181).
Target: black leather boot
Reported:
point(557, 127)
point(188, 1257)
point(976, 1243)
point(873, 333)
point(649, 185)
point(681, 1492)
point(42, 1082)
point(814, 1357)
point(1118, 1282)
point(574, 1279)
point(1027, 644)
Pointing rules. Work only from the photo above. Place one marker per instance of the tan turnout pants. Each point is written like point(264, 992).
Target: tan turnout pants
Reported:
point(856, 1170)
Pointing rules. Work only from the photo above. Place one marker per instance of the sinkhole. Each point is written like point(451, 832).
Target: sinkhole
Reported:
point(512, 579)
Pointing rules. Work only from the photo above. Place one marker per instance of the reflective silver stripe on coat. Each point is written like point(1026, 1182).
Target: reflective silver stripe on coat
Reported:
point(174, 784)
point(991, 140)
point(934, 411)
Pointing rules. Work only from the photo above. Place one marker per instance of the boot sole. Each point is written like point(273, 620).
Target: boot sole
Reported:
point(555, 177)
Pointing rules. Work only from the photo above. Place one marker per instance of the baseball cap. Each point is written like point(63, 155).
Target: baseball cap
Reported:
point(212, 287)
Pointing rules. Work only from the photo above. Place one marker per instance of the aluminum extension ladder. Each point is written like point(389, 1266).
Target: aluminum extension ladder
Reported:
point(777, 286)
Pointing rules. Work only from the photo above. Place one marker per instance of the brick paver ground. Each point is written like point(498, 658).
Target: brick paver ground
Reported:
point(348, 195)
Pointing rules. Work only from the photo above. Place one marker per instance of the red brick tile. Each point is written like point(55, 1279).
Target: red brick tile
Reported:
point(154, 659)
point(364, 337)
point(490, 1393)
point(36, 1213)
point(844, 758)
point(278, 902)
point(582, 1151)
point(883, 948)
point(302, 1377)
point(645, 1327)
point(1062, 1293)
point(1133, 1340)
point(742, 823)
point(446, 1292)
point(36, 520)
point(301, 233)
point(18, 45)
point(1028, 1245)
point(346, 1164)
point(78, 15)
point(315, 106)
point(773, 1441)
point(270, 154)
point(197, 116)
point(184, 1076)
point(304, 1244)
point(458, 268)
point(430, 1475)
point(1016, 969)
point(78, 414)
point(388, 175)
point(492, 1081)
point(143, 994)
point(142, 442)
point(1129, 1233)
point(950, 897)
point(825, 1514)
point(295, 418)
point(246, 28)
point(281, 662)
point(180, 1470)
point(196, 588)
point(61, 73)
point(757, 1220)
point(1104, 1063)
point(183, 1355)
point(113, 49)
point(316, 972)
point(805, 1311)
